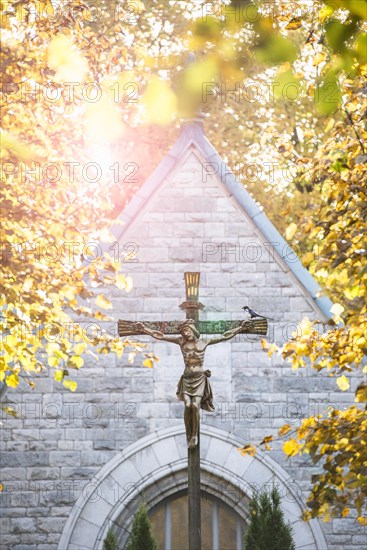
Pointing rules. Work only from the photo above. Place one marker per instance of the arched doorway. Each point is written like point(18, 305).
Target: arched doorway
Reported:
point(154, 469)
point(222, 528)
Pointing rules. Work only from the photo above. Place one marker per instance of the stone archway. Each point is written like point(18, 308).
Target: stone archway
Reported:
point(155, 466)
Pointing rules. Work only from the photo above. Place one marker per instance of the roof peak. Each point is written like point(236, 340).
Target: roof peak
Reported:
point(196, 122)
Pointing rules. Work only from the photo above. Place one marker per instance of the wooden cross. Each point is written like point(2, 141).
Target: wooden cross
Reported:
point(193, 388)
point(193, 306)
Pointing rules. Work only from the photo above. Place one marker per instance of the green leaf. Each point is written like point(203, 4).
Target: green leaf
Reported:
point(361, 46)
point(276, 49)
point(287, 86)
point(338, 34)
point(328, 96)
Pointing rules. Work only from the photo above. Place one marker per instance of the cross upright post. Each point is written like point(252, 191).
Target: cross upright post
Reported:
point(192, 307)
point(193, 387)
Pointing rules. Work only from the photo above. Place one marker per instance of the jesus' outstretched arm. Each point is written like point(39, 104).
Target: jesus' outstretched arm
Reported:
point(157, 334)
point(229, 334)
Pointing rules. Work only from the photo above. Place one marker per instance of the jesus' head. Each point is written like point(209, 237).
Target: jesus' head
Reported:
point(188, 330)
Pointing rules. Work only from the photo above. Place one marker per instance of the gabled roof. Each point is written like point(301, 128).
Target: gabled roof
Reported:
point(192, 135)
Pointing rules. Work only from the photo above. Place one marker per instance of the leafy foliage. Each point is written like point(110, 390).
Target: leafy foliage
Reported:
point(141, 537)
point(267, 529)
point(335, 231)
point(56, 193)
point(110, 542)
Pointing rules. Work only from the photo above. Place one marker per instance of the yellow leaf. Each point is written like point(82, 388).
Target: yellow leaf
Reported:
point(290, 231)
point(330, 125)
point(65, 60)
point(120, 281)
point(343, 382)
point(58, 375)
point(272, 348)
point(80, 348)
point(128, 283)
point(345, 512)
point(103, 302)
point(294, 23)
point(1, 487)
point(10, 411)
point(148, 363)
point(12, 380)
point(23, 151)
point(266, 442)
point(70, 385)
point(284, 429)
point(264, 344)
point(290, 447)
point(77, 361)
point(325, 12)
point(53, 361)
point(248, 450)
point(361, 393)
point(307, 259)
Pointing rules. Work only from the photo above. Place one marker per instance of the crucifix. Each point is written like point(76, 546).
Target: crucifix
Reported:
point(193, 388)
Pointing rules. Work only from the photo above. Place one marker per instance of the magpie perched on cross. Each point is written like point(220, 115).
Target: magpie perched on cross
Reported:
point(253, 313)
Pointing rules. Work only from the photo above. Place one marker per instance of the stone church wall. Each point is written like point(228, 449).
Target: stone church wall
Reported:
point(60, 439)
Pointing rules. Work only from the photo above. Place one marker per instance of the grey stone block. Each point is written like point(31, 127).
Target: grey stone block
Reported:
point(38, 511)
point(104, 445)
point(26, 434)
point(360, 539)
point(79, 472)
point(111, 383)
point(11, 474)
point(247, 279)
point(96, 458)
point(23, 525)
point(8, 541)
point(43, 473)
point(17, 459)
point(62, 511)
point(64, 458)
point(51, 525)
point(344, 526)
point(25, 547)
point(43, 445)
point(83, 445)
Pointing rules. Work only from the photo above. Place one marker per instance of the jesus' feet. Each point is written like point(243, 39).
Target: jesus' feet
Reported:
point(192, 443)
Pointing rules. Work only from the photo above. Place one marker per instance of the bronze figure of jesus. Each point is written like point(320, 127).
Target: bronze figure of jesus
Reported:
point(193, 388)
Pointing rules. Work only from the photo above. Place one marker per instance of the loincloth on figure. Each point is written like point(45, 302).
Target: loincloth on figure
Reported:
point(196, 385)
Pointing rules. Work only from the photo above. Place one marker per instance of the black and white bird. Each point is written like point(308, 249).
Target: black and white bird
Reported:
point(254, 315)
